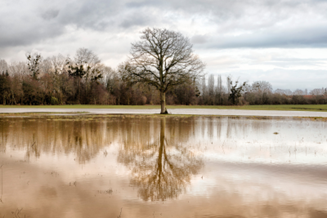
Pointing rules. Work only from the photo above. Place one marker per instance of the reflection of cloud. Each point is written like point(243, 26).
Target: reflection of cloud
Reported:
point(255, 188)
point(153, 148)
point(40, 192)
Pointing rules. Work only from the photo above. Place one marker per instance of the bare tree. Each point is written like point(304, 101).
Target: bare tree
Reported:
point(317, 91)
point(229, 80)
point(298, 92)
point(211, 89)
point(33, 64)
point(3, 66)
point(219, 90)
point(235, 91)
point(284, 91)
point(261, 87)
point(162, 59)
point(19, 69)
point(46, 66)
point(86, 57)
point(204, 86)
point(58, 63)
point(87, 65)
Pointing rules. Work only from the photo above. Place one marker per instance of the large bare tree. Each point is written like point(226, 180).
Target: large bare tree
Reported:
point(163, 59)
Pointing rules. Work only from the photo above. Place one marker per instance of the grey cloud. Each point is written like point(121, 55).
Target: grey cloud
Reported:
point(296, 62)
point(26, 25)
point(141, 4)
point(98, 15)
point(134, 21)
point(199, 39)
point(138, 18)
point(258, 19)
point(306, 37)
point(25, 33)
point(50, 14)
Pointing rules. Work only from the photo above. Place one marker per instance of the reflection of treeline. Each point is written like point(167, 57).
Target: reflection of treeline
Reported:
point(82, 137)
point(84, 80)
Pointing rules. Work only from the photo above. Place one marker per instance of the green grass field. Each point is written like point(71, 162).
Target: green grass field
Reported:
point(246, 107)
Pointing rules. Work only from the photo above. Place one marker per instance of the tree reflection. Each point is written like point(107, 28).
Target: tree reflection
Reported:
point(160, 169)
point(80, 137)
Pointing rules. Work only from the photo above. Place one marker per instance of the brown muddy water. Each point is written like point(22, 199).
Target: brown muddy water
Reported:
point(130, 166)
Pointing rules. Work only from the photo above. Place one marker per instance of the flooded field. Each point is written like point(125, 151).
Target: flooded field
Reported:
point(151, 166)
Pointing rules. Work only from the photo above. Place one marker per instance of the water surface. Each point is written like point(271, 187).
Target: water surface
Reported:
point(133, 166)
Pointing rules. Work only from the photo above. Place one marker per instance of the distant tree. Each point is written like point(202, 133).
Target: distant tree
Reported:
point(284, 91)
point(4, 87)
point(204, 90)
point(235, 91)
point(58, 63)
point(298, 92)
point(86, 65)
point(211, 90)
point(184, 94)
point(32, 92)
point(219, 90)
point(33, 64)
point(86, 57)
point(162, 59)
point(229, 80)
point(262, 87)
point(85, 69)
point(20, 69)
point(260, 92)
point(3, 66)
point(45, 66)
point(317, 91)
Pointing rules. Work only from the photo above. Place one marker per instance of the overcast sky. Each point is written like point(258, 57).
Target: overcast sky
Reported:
point(282, 42)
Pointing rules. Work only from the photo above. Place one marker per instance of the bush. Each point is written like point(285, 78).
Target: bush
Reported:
point(54, 101)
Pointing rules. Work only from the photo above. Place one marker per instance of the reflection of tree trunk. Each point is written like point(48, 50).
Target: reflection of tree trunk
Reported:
point(79, 91)
point(162, 141)
point(161, 149)
point(163, 103)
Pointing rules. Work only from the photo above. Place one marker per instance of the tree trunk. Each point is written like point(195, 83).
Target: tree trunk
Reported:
point(163, 103)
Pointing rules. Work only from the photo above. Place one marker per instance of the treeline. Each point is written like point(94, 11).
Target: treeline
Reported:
point(60, 80)
point(257, 93)
point(83, 79)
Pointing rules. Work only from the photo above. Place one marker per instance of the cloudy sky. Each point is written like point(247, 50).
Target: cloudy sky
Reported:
point(280, 41)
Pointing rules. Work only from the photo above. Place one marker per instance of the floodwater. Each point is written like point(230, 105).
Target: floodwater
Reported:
point(134, 166)
point(223, 112)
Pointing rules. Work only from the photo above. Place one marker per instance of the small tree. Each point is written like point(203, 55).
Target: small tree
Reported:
point(235, 92)
point(162, 59)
